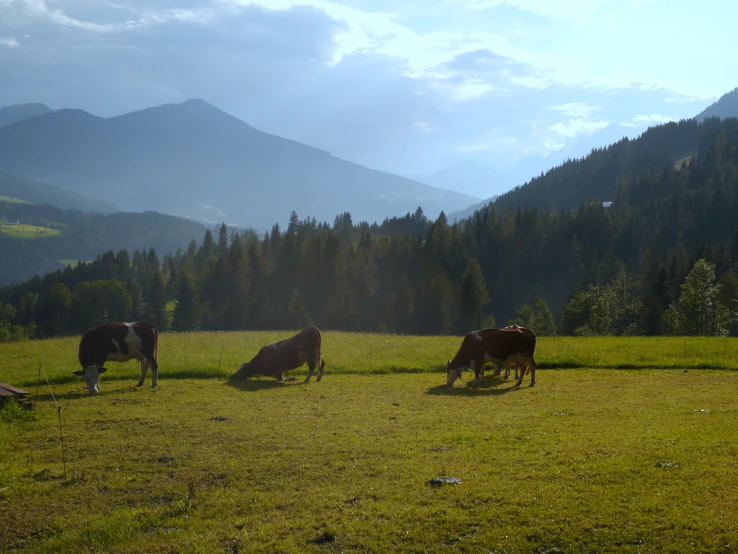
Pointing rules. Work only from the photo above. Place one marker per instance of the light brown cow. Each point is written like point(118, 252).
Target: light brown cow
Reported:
point(276, 359)
point(513, 345)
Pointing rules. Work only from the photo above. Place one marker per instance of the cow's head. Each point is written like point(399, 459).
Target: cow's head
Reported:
point(91, 376)
point(452, 373)
point(246, 370)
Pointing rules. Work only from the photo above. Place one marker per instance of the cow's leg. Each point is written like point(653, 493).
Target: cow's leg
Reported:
point(320, 369)
point(154, 373)
point(498, 368)
point(311, 368)
point(532, 372)
point(507, 370)
point(481, 372)
point(529, 363)
point(144, 370)
point(473, 365)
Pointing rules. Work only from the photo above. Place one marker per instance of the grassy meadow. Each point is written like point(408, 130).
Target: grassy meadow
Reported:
point(11, 200)
point(25, 231)
point(579, 463)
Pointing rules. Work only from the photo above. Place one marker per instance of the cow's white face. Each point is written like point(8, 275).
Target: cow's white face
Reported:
point(91, 376)
point(451, 374)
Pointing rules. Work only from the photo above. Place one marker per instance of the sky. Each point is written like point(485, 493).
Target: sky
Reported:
point(410, 87)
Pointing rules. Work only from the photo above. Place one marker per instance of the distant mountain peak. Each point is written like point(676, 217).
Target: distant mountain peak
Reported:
point(726, 106)
point(19, 112)
point(196, 102)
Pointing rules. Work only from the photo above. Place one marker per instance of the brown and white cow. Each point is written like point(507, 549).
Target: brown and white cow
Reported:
point(118, 342)
point(514, 345)
point(275, 359)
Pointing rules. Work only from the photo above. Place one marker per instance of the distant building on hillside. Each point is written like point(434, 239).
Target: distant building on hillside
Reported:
point(606, 204)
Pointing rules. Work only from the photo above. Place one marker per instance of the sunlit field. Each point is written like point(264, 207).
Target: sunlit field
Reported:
point(624, 445)
point(24, 231)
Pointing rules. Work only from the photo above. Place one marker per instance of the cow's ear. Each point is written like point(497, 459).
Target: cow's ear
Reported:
point(101, 370)
point(80, 373)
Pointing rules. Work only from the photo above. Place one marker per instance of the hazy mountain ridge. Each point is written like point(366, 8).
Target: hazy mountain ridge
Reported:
point(726, 106)
point(190, 158)
point(34, 192)
point(19, 112)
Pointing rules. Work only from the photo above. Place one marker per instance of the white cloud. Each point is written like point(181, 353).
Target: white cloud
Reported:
point(424, 127)
point(38, 9)
point(562, 9)
point(576, 109)
point(653, 118)
point(10, 42)
point(577, 126)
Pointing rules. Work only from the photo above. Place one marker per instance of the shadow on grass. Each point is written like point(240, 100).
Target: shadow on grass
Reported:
point(65, 396)
point(255, 384)
point(489, 387)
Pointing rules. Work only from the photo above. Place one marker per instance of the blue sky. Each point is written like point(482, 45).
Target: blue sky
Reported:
point(409, 87)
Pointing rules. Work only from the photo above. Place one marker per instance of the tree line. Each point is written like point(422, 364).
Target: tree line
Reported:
point(662, 259)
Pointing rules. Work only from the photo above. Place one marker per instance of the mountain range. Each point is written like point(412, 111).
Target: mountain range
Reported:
point(19, 112)
point(33, 192)
point(193, 160)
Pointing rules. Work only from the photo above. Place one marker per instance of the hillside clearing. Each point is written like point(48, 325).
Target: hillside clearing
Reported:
point(12, 200)
point(25, 231)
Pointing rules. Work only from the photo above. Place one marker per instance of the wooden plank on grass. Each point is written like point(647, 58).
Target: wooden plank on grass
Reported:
point(15, 390)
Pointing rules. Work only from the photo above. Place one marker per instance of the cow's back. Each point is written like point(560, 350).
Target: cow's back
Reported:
point(503, 343)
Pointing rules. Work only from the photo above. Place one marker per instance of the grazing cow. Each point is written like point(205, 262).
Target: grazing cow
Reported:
point(118, 342)
point(275, 359)
point(501, 346)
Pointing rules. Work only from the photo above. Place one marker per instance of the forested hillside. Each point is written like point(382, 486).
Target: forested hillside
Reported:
point(84, 236)
point(726, 106)
point(598, 174)
point(661, 260)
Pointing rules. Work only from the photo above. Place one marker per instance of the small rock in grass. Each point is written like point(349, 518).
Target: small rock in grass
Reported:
point(438, 481)
point(558, 413)
point(218, 418)
point(667, 464)
point(702, 411)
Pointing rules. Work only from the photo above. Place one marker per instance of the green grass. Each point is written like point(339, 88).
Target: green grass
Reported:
point(24, 231)
point(342, 465)
point(12, 200)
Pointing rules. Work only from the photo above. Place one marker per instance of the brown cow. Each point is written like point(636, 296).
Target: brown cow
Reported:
point(275, 359)
point(500, 346)
point(118, 342)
